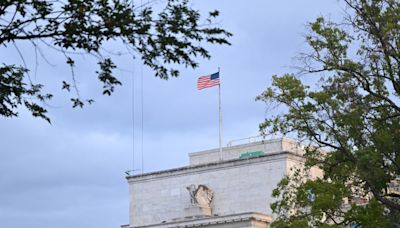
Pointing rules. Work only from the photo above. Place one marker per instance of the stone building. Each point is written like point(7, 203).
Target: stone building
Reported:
point(234, 192)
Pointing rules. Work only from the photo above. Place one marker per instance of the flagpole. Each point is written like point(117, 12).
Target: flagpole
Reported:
point(220, 117)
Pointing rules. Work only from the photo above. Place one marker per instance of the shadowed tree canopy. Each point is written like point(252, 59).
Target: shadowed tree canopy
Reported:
point(174, 35)
point(352, 113)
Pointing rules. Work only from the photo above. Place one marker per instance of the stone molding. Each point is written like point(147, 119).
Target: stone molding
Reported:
point(212, 220)
point(185, 170)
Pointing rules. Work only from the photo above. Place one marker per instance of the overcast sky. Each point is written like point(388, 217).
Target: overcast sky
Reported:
point(71, 173)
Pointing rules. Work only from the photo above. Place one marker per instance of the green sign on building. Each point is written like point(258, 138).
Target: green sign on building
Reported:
point(252, 154)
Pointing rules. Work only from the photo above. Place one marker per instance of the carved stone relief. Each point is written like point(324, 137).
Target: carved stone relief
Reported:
point(202, 197)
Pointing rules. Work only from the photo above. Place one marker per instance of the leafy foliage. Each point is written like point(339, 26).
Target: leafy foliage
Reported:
point(175, 35)
point(13, 92)
point(353, 112)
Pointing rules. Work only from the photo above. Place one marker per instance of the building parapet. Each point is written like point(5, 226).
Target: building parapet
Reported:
point(258, 148)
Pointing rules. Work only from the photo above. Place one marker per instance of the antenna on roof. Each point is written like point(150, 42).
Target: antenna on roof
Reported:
point(133, 117)
point(133, 109)
point(142, 105)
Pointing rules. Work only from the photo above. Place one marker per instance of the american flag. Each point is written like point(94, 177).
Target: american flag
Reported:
point(208, 81)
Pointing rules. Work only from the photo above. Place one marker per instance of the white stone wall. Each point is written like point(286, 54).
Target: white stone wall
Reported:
point(295, 163)
point(239, 186)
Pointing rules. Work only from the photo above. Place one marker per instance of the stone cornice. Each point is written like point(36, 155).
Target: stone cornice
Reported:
point(226, 219)
point(212, 166)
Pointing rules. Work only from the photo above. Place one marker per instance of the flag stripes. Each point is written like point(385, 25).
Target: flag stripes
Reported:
point(208, 81)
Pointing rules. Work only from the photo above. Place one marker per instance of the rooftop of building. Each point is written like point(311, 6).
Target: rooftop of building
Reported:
point(232, 155)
